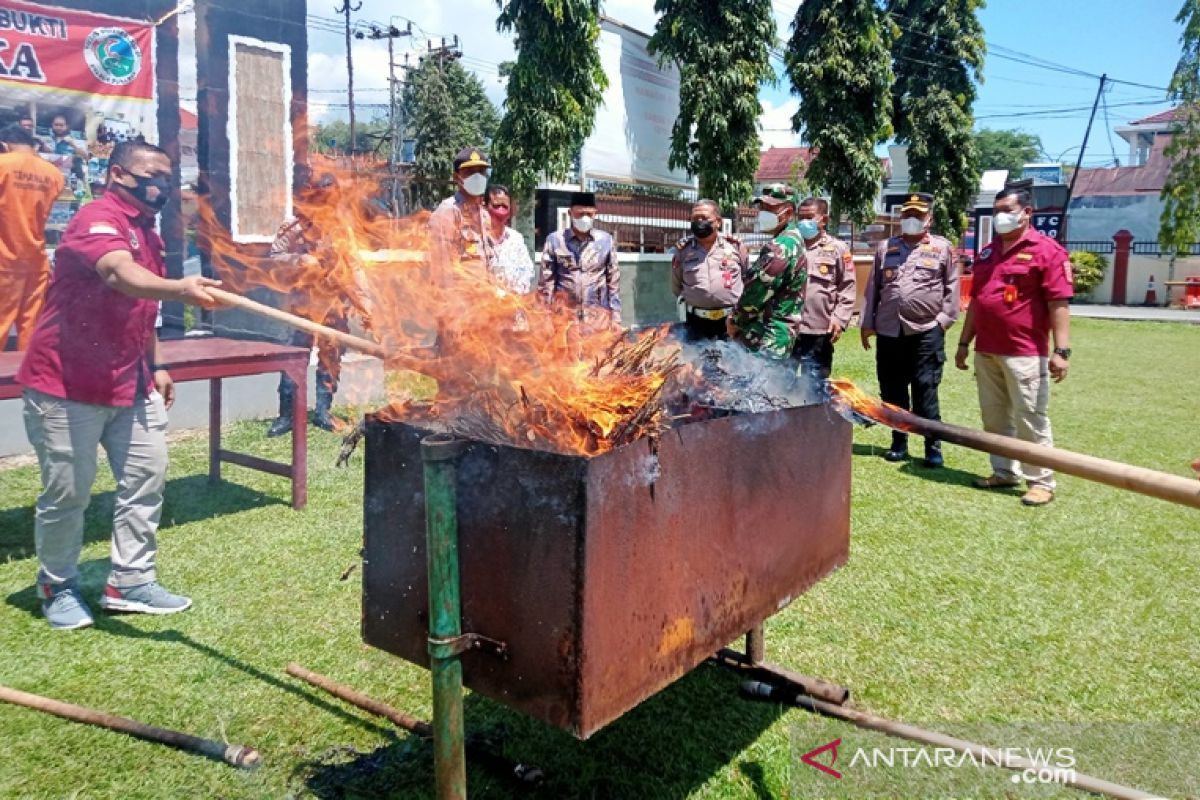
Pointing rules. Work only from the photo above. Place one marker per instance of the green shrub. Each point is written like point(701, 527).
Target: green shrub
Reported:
point(1088, 271)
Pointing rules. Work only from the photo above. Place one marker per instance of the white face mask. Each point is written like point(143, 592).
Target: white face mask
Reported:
point(582, 224)
point(1006, 222)
point(475, 185)
point(911, 226)
point(767, 221)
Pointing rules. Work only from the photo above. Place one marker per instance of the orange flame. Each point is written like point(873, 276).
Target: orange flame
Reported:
point(848, 397)
point(458, 354)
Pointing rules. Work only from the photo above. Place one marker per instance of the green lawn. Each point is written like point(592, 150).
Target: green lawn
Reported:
point(1073, 626)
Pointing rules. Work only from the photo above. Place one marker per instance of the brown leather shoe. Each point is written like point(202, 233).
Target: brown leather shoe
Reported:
point(1037, 496)
point(996, 482)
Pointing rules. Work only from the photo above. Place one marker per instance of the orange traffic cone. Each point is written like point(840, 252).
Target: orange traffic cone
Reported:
point(1151, 293)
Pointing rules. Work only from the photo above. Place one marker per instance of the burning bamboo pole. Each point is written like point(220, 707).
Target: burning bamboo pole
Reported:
point(233, 754)
point(1150, 482)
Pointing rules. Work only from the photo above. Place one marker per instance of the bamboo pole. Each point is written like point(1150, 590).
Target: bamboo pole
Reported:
point(233, 754)
point(1162, 485)
point(306, 325)
point(524, 774)
point(979, 753)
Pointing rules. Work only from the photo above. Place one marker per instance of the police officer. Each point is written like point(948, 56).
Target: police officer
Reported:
point(911, 300)
point(767, 316)
point(706, 273)
point(459, 222)
point(829, 296)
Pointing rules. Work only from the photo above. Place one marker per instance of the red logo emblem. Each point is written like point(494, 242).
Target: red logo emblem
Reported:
point(810, 758)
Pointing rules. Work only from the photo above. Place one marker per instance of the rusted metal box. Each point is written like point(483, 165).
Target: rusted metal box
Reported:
point(609, 577)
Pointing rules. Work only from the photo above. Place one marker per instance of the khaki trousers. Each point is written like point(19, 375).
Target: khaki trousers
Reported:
point(1014, 396)
point(65, 434)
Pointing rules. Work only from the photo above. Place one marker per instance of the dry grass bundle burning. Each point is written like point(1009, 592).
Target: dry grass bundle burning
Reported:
point(497, 366)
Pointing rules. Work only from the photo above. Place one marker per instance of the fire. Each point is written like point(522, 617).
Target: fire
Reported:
point(857, 405)
point(464, 353)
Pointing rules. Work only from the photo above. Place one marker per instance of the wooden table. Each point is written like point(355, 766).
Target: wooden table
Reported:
point(213, 358)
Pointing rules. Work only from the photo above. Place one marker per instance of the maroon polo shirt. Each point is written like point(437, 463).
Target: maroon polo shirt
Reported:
point(1011, 293)
point(91, 342)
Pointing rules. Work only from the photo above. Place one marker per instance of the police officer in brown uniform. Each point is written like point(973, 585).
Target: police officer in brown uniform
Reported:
point(706, 273)
point(911, 300)
point(459, 222)
point(829, 296)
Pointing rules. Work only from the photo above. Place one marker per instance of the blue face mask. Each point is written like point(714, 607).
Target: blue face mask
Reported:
point(808, 228)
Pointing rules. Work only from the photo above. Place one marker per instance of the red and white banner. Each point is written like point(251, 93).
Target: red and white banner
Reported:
point(75, 51)
point(86, 80)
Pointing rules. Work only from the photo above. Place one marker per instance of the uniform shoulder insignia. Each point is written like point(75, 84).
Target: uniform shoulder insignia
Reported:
point(682, 243)
point(732, 239)
point(985, 253)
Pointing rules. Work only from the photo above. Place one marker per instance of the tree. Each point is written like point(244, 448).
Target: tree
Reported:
point(1010, 150)
point(938, 56)
point(722, 49)
point(838, 63)
point(445, 109)
point(334, 136)
point(554, 89)
point(1179, 225)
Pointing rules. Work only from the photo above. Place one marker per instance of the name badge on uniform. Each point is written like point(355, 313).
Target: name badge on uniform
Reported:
point(1024, 256)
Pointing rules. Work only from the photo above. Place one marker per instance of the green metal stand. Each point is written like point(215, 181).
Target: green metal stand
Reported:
point(439, 453)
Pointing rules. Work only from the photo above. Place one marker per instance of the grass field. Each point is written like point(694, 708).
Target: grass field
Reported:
point(1072, 626)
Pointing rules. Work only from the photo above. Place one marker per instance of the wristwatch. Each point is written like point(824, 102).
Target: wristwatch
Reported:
point(1065, 352)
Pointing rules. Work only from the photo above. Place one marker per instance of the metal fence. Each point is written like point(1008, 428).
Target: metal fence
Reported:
point(1100, 247)
point(1154, 249)
point(642, 223)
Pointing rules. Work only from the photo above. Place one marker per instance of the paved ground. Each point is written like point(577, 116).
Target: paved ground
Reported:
point(1137, 313)
point(251, 397)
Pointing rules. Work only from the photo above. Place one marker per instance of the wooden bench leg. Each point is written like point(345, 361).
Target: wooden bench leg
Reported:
point(300, 440)
point(214, 430)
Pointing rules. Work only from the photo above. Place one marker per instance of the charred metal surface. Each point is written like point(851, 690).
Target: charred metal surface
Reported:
point(609, 578)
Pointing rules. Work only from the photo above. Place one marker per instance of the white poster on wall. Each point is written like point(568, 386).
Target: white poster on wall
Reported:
point(631, 140)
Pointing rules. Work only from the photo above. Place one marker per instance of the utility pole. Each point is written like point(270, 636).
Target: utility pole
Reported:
point(1079, 161)
point(346, 9)
point(451, 52)
point(395, 130)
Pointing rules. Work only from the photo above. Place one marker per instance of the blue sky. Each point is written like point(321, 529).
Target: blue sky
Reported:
point(1134, 41)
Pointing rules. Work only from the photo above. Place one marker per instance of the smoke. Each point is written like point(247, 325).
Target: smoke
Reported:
point(737, 379)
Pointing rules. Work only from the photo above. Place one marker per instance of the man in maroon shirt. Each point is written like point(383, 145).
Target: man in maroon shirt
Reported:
point(92, 376)
point(1019, 295)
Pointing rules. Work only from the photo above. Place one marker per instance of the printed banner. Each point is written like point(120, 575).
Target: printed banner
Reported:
point(631, 140)
point(82, 82)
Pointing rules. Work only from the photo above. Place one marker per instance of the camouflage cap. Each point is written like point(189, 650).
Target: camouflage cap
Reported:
point(776, 192)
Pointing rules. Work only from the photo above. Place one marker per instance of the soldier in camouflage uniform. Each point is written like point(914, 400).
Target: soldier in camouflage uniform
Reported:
point(767, 317)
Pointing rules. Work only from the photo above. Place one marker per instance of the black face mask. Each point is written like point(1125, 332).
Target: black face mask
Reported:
point(142, 190)
point(702, 228)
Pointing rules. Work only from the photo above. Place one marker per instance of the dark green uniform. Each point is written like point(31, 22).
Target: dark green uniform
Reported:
point(768, 313)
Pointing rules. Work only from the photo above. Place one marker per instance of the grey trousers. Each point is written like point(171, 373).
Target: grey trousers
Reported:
point(65, 434)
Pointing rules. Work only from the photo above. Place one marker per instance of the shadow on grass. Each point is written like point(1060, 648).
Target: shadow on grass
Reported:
point(668, 746)
point(115, 625)
point(188, 499)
